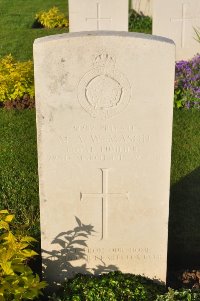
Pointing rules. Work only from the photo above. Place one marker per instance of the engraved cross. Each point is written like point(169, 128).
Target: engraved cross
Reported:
point(103, 195)
point(183, 20)
point(98, 18)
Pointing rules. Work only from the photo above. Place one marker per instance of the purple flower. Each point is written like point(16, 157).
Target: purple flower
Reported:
point(187, 83)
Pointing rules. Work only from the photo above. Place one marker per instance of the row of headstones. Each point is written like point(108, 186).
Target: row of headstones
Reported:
point(104, 105)
point(174, 19)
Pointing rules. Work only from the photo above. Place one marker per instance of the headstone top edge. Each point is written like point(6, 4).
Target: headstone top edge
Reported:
point(84, 34)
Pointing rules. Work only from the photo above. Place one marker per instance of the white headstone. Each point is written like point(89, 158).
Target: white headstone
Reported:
point(176, 19)
point(104, 147)
point(142, 6)
point(87, 15)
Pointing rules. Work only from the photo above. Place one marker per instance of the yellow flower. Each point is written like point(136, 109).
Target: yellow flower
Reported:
point(16, 78)
point(52, 18)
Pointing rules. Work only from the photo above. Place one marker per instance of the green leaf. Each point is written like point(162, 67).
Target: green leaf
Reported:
point(28, 253)
point(6, 267)
point(4, 212)
point(9, 218)
point(28, 239)
point(4, 225)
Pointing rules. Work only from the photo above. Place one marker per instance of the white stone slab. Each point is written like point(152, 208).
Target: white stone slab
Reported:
point(104, 146)
point(176, 19)
point(143, 6)
point(87, 15)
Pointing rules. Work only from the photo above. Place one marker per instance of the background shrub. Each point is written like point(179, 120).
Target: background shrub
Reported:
point(139, 22)
point(16, 79)
point(52, 18)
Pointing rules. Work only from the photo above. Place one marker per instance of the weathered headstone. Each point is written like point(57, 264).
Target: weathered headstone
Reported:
point(87, 15)
point(143, 6)
point(104, 142)
point(176, 19)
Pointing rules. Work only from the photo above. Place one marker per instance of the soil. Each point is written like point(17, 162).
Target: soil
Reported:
point(184, 279)
point(26, 102)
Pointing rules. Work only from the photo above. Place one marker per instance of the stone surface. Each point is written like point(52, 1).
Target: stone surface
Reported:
point(176, 19)
point(104, 147)
point(87, 15)
point(143, 6)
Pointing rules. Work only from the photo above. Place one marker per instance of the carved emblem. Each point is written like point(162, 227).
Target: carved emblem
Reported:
point(104, 91)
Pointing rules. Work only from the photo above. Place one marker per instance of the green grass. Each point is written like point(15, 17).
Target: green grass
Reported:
point(18, 168)
point(16, 20)
point(184, 221)
point(186, 144)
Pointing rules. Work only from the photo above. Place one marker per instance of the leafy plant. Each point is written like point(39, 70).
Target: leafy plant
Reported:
point(16, 79)
point(186, 295)
point(139, 22)
point(187, 84)
point(197, 34)
point(52, 18)
point(112, 286)
point(17, 281)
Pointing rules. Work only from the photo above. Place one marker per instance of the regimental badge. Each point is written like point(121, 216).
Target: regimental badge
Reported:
point(104, 91)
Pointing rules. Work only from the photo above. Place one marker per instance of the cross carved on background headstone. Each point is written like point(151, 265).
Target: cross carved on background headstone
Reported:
point(183, 20)
point(98, 18)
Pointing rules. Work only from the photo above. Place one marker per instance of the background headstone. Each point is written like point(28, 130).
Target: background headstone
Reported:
point(176, 19)
point(87, 15)
point(104, 147)
point(143, 6)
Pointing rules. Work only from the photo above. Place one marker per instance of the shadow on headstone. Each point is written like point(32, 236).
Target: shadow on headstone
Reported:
point(184, 224)
point(64, 261)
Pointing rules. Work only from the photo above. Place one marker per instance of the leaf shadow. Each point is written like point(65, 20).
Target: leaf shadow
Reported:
point(66, 260)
